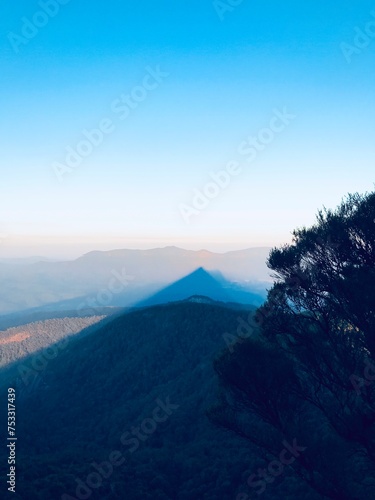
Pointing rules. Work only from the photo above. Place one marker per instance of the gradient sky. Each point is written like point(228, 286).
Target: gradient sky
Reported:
point(226, 76)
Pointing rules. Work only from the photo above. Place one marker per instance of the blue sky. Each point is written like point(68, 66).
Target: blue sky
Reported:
point(225, 79)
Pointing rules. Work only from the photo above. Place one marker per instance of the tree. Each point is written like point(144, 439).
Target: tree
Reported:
point(310, 374)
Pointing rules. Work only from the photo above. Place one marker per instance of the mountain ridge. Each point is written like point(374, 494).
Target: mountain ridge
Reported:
point(158, 354)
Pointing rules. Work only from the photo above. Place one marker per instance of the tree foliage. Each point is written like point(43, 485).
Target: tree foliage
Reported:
point(310, 375)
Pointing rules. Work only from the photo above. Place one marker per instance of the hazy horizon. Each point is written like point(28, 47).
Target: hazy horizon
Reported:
point(59, 249)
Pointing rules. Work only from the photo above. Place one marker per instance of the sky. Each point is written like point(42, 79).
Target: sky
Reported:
point(118, 120)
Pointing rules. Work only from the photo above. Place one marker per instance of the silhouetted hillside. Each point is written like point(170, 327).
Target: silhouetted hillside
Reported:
point(102, 394)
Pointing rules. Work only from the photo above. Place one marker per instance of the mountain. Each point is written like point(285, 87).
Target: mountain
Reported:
point(24, 318)
point(171, 263)
point(21, 261)
point(19, 341)
point(121, 278)
point(134, 393)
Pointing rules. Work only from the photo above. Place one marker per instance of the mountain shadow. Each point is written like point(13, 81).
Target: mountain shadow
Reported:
point(202, 283)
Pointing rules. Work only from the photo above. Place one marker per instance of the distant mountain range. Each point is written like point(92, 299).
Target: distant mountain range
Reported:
point(123, 278)
point(21, 261)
